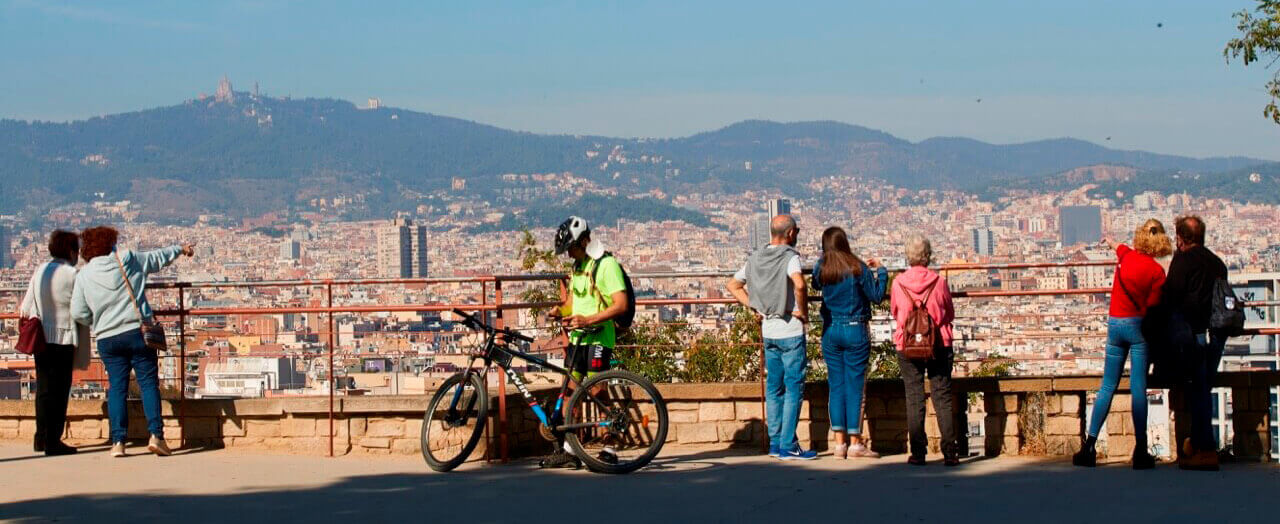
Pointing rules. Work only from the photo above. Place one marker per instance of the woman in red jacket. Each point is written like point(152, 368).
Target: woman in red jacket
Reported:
point(1137, 287)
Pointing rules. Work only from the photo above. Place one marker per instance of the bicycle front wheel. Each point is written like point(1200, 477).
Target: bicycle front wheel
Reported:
point(616, 422)
point(454, 421)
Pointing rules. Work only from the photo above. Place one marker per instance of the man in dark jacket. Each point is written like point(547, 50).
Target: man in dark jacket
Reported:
point(1188, 295)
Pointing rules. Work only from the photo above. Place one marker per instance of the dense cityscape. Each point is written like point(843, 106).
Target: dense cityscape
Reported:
point(404, 351)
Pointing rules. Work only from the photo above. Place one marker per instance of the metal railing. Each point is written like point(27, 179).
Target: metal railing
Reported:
point(491, 297)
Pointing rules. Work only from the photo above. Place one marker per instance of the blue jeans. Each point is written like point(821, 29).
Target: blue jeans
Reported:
point(846, 348)
point(1124, 339)
point(121, 354)
point(785, 363)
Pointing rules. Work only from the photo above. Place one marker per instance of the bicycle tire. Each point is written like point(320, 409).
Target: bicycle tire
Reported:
point(443, 464)
point(659, 412)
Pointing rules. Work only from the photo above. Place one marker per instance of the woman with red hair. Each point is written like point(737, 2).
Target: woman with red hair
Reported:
point(110, 295)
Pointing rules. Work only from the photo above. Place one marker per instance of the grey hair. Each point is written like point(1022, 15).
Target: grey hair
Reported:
point(919, 251)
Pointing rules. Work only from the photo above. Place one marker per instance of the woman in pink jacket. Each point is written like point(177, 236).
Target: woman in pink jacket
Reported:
point(919, 284)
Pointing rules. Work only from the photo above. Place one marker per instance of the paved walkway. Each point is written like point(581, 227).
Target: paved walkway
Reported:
point(682, 486)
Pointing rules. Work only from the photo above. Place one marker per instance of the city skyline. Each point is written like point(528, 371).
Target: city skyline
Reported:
point(1003, 73)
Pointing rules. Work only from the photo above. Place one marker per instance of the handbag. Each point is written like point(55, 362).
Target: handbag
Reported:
point(31, 333)
point(30, 336)
point(152, 332)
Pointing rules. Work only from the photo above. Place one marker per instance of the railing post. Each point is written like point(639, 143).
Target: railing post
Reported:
point(502, 382)
point(333, 380)
point(182, 364)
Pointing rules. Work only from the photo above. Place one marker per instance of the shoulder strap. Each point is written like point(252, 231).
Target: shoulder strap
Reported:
point(128, 285)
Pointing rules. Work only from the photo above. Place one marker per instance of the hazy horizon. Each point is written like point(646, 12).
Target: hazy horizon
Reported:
point(1138, 76)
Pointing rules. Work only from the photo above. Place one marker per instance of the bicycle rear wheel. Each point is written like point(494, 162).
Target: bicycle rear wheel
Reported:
point(617, 422)
point(454, 421)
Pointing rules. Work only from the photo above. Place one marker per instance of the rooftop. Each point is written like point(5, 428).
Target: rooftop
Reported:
point(684, 484)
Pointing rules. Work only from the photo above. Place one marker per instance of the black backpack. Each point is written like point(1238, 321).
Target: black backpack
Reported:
point(621, 322)
point(1226, 312)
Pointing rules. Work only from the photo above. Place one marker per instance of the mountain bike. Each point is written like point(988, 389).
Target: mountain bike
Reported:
point(615, 421)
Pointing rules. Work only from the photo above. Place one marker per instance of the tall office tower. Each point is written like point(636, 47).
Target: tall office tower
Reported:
point(1079, 225)
point(757, 232)
point(984, 241)
point(778, 206)
point(6, 257)
point(985, 220)
point(290, 250)
point(418, 245)
point(402, 249)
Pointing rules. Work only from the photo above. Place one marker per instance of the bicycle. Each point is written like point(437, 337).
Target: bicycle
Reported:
point(615, 421)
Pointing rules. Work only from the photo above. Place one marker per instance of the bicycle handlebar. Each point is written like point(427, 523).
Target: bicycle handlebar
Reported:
point(474, 322)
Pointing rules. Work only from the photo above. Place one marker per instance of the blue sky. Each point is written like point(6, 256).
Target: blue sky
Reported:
point(1086, 69)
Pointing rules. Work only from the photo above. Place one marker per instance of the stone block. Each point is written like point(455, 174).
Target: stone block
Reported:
point(1011, 425)
point(262, 428)
point(1120, 445)
point(683, 406)
point(931, 428)
point(998, 403)
point(1052, 404)
point(413, 428)
point(246, 441)
point(1062, 425)
point(682, 417)
point(1011, 445)
point(735, 431)
point(747, 410)
point(873, 407)
point(716, 411)
point(1071, 404)
point(358, 426)
point(375, 442)
point(1061, 445)
point(381, 427)
point(27, 427)
point(200, 428)
point(9, 423)
point(405, 446)
point(299, 427)
point(85, 429)
point(698, 433)
point(1122, 403)
point(233, 427)
point(9, 433)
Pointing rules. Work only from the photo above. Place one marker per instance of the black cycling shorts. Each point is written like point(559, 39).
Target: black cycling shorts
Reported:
point(589, 359)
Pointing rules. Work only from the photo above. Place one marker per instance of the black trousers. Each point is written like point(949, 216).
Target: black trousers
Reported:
point(53, 388)
point(939, 371)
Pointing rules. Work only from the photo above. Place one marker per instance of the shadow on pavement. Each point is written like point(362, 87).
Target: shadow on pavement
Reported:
point(717, 487)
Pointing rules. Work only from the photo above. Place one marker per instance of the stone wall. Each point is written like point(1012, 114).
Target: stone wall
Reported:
point(1019, 415)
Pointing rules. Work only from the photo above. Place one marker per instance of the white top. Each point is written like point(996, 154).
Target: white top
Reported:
point(777, 328)
point(49, 298)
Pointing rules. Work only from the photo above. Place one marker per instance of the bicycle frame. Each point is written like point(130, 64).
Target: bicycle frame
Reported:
point(503, 354)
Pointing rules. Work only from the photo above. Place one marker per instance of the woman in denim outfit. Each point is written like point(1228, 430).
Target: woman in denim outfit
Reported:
point(849, 288)
point(1137, 285)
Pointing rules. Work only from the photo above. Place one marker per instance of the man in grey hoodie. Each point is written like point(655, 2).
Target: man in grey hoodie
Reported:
point(771, 284)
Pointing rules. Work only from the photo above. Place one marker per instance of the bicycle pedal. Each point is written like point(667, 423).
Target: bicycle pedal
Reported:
point(547, 433)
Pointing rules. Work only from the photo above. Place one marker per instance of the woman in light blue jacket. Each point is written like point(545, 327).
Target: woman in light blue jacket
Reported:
point(104, 300)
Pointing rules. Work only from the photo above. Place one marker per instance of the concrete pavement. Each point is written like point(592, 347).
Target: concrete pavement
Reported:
point(684, 485)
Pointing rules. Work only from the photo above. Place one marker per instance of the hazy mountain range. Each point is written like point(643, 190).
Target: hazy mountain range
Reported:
point(255, 155)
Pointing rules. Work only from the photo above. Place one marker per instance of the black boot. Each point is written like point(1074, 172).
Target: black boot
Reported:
point(1086, 457)
point(1141, 458)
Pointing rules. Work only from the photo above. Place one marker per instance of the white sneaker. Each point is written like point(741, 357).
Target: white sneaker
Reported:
point(117, 450)
point(156, 445)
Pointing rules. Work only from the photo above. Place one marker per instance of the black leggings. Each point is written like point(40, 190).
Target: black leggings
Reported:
point(53, 388)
